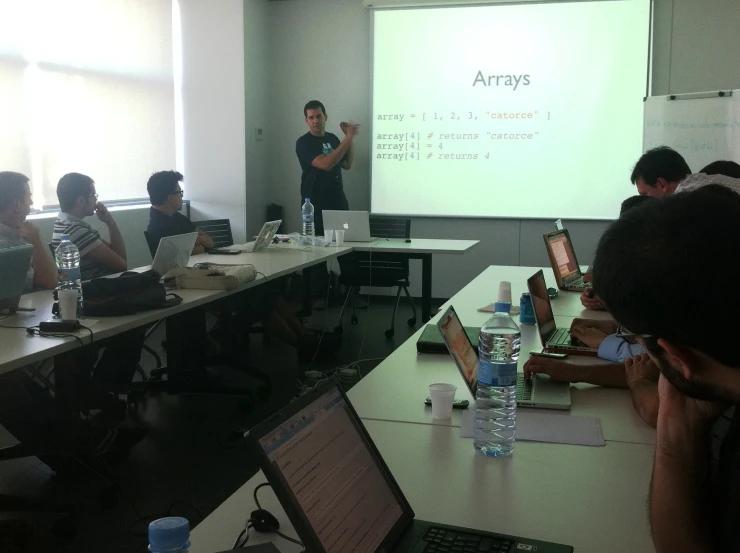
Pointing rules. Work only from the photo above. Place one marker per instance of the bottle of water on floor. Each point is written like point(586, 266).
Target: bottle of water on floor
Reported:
point(307, 214)
point(169, 535)
point(495, 400)
point(68, 269)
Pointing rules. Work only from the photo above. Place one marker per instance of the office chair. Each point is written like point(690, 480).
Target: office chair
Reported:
point(378, 269)
point(219, 230)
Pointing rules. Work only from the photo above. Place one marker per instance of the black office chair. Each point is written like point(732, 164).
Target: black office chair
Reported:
point(378, 269)
point(219, 230)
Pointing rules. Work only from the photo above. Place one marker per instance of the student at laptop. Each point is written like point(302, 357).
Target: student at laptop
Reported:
point(78, 199)
point(15, 205)
point(165, 218)
point(695, 489)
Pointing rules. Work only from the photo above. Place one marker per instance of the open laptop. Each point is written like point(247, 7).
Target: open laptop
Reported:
point(340, 495)
point(537, 392)
point(265, 237)
point(563, 260)
point(173, 252)
point(14, 263)
point(356, 224)
point(553, 338)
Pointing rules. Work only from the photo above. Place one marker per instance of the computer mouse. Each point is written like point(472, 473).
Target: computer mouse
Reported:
point(264, 521)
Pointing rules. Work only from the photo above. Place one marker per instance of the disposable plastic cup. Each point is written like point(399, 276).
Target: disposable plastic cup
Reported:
point(68, 304)
point(339, 237)
point(328, 236)
point(504, 291)
point(442, 396)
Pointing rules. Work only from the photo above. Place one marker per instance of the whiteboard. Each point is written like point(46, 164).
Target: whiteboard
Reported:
point(703, 127)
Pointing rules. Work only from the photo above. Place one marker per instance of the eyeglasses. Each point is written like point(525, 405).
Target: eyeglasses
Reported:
point(178, 193)
point(630, 336)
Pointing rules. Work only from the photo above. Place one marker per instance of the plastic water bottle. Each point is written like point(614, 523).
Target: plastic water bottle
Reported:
point(495, 399)
point(307, 214)
point(169, 535)
point(68, 269)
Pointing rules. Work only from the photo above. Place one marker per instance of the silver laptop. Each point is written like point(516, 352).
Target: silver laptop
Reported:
point(553, 339)
point(563, 261)
point(14, 263)
point(538, 392)
point(356, 224)
point(173, 252)
point(265, 237)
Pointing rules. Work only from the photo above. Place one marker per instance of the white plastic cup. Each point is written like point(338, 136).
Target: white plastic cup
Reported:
point(328, 236)
point(504, 291)
point(340, 237)
point(442, 396)
point(68, 304)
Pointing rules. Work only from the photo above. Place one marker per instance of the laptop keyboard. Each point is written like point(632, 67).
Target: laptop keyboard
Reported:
point(441, 540)
point(523, 388)
point(561, 336)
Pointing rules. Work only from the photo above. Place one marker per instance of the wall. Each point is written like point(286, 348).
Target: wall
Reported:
point(321, 49)
point(213, 96)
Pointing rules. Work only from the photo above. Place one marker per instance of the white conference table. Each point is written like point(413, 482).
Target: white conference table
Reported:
point(418, 248)
point(395, 390)
point(20, 349)
point(593, 498)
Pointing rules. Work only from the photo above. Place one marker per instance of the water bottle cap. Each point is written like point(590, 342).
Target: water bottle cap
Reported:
point(65, 236)
point(169, 534)
point(308, 200)
point(502, 307)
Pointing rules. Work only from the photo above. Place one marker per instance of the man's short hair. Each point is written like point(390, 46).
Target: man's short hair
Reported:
point(632, 202)
point(162, 184)
point(723, 167)
point(669, 270)
point(12, 188)
point(661, 162)
point(72, 186)
point(313, 104)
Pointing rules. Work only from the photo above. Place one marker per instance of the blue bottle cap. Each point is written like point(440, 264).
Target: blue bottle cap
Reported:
point(169, 534)
point(65, 237)
point(502, 307)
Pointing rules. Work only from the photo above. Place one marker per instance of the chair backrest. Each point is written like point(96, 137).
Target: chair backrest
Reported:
point(151, 243)
point(382, 226)
point(219, 230)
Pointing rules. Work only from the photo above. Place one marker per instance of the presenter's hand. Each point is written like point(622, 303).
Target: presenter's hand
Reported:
point(349, 129)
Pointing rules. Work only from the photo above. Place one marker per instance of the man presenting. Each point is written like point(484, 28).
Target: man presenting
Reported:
point(322, 157)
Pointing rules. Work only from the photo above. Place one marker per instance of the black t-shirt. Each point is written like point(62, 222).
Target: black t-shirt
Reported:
point(726, 481)
point(325, 188)
point(162, 225)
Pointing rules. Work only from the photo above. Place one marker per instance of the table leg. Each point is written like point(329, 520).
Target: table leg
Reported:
point(426, 287)
point(186, 346)
point(307, 292)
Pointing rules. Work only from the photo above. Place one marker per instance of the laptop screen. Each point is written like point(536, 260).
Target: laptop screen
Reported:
point(541, 303)
point(561, 250)
point(460, 347)
point(333, 477)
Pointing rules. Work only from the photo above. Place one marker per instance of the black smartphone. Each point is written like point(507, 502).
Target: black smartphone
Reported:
point(456, 404)
point(224, 252)
point(549, 354)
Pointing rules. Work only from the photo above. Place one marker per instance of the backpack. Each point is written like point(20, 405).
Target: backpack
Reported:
point(126, 294)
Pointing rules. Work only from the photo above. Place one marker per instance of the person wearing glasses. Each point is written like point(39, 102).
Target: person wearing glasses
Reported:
point(165, 219)
point(656, 289)
point(78, 199)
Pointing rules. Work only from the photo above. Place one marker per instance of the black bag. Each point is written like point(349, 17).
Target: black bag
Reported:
point(126, 294)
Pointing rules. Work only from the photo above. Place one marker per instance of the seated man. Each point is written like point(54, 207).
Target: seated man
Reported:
point(165, 218)
point(77, 200)
point(695, 489)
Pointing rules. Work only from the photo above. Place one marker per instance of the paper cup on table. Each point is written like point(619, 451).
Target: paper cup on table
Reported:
point(442, 396)
point(68, 304)
point(504, 291)
point(340, 236)
point(329, 236)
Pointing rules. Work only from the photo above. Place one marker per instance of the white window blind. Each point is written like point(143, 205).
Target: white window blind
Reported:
point(87, 86)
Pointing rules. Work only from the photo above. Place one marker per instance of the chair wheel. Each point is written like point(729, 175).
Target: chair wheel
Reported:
point(338, 329)
point(411, 321)
point(389, 333)
point(354, 319)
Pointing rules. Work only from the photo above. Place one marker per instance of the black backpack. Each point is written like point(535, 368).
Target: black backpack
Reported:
point(126, 294)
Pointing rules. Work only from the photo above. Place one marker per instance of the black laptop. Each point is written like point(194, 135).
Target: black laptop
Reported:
point(340, 495)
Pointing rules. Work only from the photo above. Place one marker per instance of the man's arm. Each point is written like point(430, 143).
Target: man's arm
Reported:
point(203, 240)
point(350, 155)
point(610, 375)
point(116, 238)
point(679, 517)
point(327, 162)
point(44, 268)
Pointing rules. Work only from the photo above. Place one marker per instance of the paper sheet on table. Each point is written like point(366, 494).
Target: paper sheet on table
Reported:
point(489, 309)
point(549, 427)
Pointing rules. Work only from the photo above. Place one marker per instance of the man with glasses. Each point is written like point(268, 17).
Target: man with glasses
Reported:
point(657, 289)
point(77, 200)
point(165, 218)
